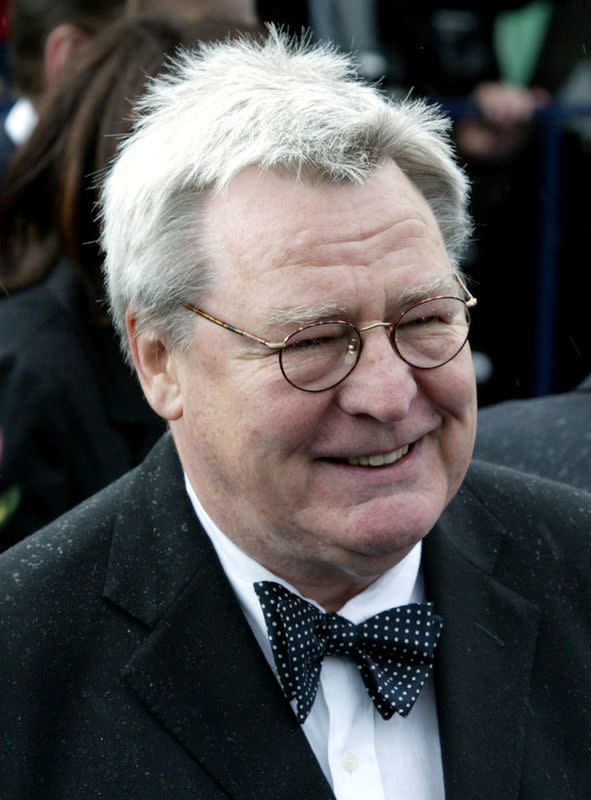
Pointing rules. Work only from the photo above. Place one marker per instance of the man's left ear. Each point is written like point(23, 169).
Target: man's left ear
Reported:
point(60, 45)
point(156, 367)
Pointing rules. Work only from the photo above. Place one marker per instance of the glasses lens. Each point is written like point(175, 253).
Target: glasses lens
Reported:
point(320, 356)
point(432, 332)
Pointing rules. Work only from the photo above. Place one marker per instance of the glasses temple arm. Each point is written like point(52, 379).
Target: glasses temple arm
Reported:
point(201, 313)
point(470, 300)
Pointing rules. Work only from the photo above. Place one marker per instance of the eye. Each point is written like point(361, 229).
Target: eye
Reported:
point(322, 336)
point(311, 342)
point(436, 314)
point(422, 321)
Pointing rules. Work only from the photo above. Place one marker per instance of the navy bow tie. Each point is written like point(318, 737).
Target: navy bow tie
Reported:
point(393, 650)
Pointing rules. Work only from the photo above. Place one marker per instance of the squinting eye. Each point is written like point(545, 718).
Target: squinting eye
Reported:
point(309, 344)
point(421, 322)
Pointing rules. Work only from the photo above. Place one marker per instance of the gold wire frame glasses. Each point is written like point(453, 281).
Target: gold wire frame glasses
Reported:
point(320, 355)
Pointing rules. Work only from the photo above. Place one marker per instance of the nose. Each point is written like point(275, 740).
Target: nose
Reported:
point(382, 385)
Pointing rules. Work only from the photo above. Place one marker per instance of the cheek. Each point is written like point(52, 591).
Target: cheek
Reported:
point(467, 402)
point(284, 417)
point(459, 423)
point(451, 391)
point(275, 438)
point(270, 447)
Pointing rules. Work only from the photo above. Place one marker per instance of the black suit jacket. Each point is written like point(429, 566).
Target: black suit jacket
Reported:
point(72, 414)
point(129, 671)
point(549, 436)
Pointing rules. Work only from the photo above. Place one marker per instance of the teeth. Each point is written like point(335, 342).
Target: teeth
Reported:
point(379, 460)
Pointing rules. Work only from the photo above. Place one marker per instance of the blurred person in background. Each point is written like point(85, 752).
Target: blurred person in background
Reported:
point(45, 35)
point(73, 415)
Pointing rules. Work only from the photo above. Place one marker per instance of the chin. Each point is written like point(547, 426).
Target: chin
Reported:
point(385, 529)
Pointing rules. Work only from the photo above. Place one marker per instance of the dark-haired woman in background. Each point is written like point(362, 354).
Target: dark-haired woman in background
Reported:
point(72, 412)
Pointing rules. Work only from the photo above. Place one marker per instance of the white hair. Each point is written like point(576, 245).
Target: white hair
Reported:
point(277, 104)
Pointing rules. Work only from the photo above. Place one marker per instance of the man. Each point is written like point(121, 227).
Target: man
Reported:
point(44, 36)
point(281, 257)
point(548, 436)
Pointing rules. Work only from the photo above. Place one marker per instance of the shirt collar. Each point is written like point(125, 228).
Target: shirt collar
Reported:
point(401, 584)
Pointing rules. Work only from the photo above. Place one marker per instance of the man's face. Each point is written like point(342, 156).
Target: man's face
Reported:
point(270, 463)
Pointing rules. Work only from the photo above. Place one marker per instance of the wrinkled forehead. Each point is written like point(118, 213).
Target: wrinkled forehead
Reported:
point(264, 221)
point(256, 189)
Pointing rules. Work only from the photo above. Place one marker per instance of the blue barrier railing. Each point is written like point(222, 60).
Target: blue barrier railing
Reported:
point(551, 120)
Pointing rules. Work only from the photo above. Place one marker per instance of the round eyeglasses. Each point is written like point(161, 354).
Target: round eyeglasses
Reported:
point(321, 355)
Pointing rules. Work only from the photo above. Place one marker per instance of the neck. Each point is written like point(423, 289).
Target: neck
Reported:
point(331, 597)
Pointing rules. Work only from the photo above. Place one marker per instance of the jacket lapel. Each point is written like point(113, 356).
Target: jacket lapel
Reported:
point(200, 671)
point(485, 656)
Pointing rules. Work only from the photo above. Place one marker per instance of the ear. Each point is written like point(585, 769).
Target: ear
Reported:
point(60, 45)
point(157, 370)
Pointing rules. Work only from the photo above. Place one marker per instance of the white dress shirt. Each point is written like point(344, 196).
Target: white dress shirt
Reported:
point(361, 754)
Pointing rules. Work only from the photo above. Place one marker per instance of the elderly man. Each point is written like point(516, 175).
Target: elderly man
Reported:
point(252, 613)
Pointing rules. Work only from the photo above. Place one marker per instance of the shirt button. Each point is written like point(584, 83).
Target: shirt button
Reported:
point(349, 761)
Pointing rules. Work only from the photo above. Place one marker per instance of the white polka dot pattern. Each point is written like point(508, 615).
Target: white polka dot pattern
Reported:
point(393, 650)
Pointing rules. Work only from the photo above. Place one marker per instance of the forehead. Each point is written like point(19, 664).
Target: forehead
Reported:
point(275, 238)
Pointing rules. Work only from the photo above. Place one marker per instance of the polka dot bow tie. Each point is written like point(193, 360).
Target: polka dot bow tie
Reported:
point(393, 650)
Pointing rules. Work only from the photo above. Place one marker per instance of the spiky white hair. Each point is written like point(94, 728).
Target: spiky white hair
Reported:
point(279, 105)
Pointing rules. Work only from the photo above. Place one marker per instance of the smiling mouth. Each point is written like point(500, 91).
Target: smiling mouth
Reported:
point(378, 460)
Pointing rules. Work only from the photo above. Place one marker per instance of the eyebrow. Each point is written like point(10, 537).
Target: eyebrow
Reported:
point(443, 284)
point(304, 315)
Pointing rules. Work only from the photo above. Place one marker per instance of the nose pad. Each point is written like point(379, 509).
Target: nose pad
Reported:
point(382, 385)
point(353, 351)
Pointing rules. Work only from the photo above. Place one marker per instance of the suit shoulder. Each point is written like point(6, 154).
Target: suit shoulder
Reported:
point(503, 486)
point(67, 558)
point(534, 534)
point(61, 556)
point(53, 584)
point(532, 506)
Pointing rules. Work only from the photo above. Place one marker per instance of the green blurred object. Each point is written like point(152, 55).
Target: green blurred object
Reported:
point(10, 498)
point(9, 501)
point(519, 36)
